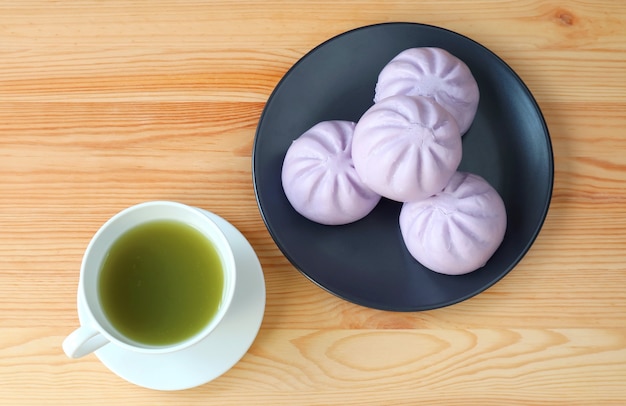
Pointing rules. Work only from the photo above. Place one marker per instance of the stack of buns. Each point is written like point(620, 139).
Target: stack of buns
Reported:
point(406, 147)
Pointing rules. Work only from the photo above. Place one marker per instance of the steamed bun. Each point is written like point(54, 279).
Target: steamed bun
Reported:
point(406, 148)
point(458, 230)
point(435, 73)
point(319, 178)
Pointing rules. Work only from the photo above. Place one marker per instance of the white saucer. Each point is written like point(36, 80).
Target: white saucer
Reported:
point(214, 355)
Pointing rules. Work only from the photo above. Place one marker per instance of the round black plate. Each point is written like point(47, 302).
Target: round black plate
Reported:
point(366, 262)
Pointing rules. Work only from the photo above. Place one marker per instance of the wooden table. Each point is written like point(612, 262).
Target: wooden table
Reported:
point(104, 104)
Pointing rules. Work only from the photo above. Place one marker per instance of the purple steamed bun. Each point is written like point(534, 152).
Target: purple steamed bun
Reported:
point(319, 178)
point(432, 72)
point(406, 148)
point(457, 230)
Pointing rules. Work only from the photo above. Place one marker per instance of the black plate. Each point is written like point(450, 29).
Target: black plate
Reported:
point(366, 262)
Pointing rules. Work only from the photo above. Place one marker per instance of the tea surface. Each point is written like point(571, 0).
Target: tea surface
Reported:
point(161, 282)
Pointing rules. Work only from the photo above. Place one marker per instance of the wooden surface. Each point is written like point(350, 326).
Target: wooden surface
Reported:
point(104, 104)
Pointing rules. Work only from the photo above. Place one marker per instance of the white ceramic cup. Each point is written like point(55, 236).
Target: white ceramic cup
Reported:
point(99, 331)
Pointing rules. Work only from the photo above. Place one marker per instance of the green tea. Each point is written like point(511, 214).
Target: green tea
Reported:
point(161, 282)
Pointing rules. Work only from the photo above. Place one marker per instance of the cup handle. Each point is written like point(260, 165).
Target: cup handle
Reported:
point(82, 341)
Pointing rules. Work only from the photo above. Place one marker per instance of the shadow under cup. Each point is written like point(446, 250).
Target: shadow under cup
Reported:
point(128, 219)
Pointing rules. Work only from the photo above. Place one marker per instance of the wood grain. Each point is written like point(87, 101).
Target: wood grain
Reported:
point(107, 104)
